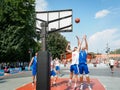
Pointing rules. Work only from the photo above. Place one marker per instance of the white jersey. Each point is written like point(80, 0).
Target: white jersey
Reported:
point(75, 57)
point(57, 63)
point(111, 62)
point(52, 65)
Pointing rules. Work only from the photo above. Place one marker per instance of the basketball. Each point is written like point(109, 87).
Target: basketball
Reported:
point(77, 20)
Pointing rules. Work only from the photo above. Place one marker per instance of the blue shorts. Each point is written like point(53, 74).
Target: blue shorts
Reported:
point(57, 68)
point(74, 68)
point(83, 68)
point(52, 73)
point(34, 71)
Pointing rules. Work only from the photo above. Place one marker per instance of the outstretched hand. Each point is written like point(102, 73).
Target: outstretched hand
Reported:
point(84, 37)
point(29, 68)
point(77, 37)
point(68, 43)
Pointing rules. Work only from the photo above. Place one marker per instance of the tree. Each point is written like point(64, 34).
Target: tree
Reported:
point(17, 29)
point(56, 44)
point(117, 51)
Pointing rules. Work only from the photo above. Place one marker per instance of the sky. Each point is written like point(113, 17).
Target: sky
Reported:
point(99, 20)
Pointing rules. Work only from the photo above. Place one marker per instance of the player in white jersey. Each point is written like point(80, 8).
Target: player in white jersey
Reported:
point(111, 63)
point(75, 61)
point(52, 72)
point(57, 66)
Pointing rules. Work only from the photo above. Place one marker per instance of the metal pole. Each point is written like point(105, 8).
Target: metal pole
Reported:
point(44, 26)
point(43, 63)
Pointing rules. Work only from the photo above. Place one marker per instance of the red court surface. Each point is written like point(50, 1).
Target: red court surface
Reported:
point(62, 85)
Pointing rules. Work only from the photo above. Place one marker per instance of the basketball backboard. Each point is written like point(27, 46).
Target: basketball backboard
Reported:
point(58, 20)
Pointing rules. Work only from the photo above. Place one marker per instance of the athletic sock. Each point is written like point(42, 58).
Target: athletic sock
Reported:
point(81, 86)
point(75, 85)
point(89, 87)
point(54, 82)
point(70, 82)
point(33, 83)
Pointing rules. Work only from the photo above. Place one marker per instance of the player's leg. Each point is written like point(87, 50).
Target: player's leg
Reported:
point(33, 75)
point(81, 76)
point(112, 68)
point(71, 75)
point(51, 77)
point(76, 72)
point(88, 81)
point(60, 71)
point(57, 70)
point(81, 81)
point(87, 76)
point(53, 74)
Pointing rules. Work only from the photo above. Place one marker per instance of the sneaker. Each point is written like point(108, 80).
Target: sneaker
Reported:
point(89, 87)
point(69, 83)
point(32, 83)
point(75, 86)
point(81, 87)
point(54, 84)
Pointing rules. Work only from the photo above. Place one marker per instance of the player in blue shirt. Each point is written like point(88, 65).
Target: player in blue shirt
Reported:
point(83, 68)
point(33, 62)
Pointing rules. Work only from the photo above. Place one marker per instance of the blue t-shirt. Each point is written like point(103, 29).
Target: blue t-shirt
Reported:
point(82, 57)
point(34, 64)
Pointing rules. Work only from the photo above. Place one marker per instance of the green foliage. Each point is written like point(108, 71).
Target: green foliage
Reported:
point(117, 51)
point(56, 44)
point(17, 29)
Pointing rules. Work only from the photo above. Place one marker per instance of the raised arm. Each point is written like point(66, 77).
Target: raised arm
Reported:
point(30, 63)
point(79, 43)
point(86, 43)
point(67, 48)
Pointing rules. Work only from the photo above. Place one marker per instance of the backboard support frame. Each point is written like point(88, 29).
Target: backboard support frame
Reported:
point(58, 20)
point(44, 30)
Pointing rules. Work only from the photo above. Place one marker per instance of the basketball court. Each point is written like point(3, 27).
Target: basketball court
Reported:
point(50, 22)
point(62, 85)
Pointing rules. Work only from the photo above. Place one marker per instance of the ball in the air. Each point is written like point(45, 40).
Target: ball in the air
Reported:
point(77, 20)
